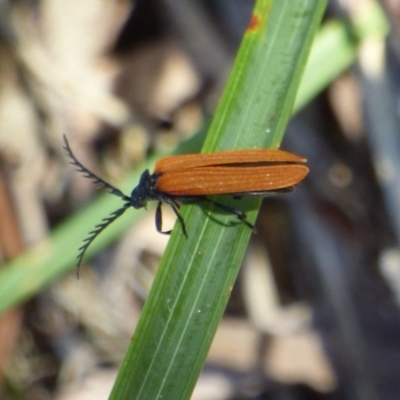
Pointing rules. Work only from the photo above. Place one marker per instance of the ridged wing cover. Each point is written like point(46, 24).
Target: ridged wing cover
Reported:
point(246, 156)
point(204, 181)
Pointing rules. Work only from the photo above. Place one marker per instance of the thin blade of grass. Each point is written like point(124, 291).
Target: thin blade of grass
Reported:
point(196, 275)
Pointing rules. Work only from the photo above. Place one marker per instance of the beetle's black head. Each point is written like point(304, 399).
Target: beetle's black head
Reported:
point(143, 192)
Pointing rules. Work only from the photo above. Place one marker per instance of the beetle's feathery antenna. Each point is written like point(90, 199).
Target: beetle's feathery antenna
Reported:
point(96, 231)
point(88, 174)
point(105, 221)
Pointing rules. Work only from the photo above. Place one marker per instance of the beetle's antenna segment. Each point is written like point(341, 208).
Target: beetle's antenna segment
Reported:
point(88, 174)
point(95, 232)
point(105, 185)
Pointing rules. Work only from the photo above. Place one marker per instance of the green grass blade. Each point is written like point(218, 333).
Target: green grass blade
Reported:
point(196, 275)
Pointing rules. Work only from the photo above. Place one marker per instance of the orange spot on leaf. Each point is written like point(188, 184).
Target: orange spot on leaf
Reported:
point(254, 23)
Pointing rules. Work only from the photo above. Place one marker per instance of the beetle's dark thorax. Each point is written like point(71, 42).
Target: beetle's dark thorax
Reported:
point(146, 190)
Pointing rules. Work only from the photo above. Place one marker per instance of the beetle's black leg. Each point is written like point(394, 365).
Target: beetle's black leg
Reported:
point(172, 203)
point(159, 220)
point(174, 207)
point(177, 205)
point(239, 214)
